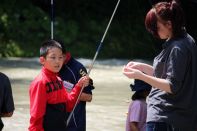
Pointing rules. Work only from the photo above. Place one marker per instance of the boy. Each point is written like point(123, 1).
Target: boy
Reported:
point(48, 98)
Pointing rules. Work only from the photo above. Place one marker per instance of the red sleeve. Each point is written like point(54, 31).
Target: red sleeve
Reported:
point(38, 101)
point(72, 98)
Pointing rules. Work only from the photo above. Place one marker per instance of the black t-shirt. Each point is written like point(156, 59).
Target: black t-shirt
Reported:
point(177, 64)
point(6, 98)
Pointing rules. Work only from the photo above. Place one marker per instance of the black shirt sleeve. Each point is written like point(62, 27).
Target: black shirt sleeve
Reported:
point(178, 64)
point(88, 89)
point(6, 102)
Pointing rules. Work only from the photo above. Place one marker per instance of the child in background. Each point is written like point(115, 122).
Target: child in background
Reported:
point(49, 100)
point(136, 118)
point(71, 71)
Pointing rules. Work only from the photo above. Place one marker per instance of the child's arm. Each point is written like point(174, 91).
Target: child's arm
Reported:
point(38, 102)
point(6, 114)
point(72, 97)
point(133, 126)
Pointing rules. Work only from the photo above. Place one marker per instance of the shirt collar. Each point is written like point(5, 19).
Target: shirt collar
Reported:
point(68, 57)
point(49, 73)
point(166, 44)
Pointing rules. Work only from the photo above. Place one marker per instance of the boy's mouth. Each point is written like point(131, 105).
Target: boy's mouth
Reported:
point(57, 66)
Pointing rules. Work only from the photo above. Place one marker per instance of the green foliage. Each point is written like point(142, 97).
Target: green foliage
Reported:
point(10, 49)
point(80, 24)
point(23, 27)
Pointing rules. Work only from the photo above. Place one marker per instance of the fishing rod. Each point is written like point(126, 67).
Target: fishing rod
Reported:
point(93, 61)
point(52, 18)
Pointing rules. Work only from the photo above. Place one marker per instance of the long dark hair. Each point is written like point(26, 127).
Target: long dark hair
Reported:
point(163, 12)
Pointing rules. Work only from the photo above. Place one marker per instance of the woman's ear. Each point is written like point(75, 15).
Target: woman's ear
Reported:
point(42, 60)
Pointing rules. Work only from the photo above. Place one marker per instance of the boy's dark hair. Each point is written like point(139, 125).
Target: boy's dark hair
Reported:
point(48, 44)
point(62, 45)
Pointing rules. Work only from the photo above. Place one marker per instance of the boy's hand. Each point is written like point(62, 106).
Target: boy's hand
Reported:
point(84, 81)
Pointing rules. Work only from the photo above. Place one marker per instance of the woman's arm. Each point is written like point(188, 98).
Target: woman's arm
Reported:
point(159, 83)
point(145, 68)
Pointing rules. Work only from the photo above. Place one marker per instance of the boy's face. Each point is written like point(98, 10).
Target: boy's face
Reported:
point(53, 60)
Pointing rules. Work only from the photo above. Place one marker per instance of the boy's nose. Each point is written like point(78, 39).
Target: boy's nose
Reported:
point(59, 60)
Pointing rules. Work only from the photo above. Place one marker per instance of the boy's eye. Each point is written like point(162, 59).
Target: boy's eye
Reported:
point(52, 57)
point(61, 57)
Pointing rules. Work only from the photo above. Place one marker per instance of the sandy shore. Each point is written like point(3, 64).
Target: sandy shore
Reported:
point(107, 111)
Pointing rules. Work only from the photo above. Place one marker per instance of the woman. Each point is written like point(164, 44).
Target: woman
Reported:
point(172, 100)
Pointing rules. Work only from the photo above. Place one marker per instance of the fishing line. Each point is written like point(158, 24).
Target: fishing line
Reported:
point(93, 61)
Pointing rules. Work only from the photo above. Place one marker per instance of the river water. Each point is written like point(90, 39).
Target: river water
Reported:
point(106, 112)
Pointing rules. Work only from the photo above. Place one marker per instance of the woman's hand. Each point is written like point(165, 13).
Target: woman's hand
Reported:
point(143, 67)
point(135, 65)
point(132, 73)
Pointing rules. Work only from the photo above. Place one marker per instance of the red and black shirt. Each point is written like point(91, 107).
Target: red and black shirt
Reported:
point(48, 99)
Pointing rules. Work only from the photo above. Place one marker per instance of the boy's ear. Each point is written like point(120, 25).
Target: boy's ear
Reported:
point(42, 59)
